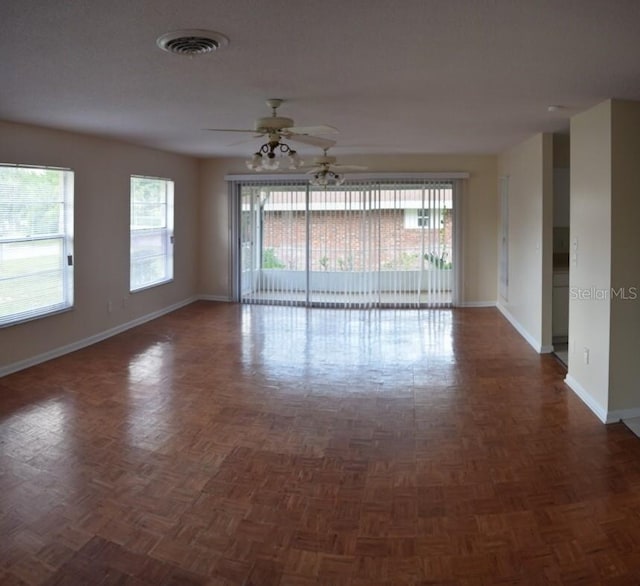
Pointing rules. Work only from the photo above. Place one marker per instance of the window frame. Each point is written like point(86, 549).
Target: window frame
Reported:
point(65, 236)
point(166, 233)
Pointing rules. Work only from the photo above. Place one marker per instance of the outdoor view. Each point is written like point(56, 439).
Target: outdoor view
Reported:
point(35, 241)
point(375, 245)
point(151, 231)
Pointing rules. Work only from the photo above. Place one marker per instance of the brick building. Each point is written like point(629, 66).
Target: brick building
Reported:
point(402, 230)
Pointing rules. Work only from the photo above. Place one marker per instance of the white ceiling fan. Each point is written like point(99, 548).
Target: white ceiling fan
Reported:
point(276, 128)
point(327, 171)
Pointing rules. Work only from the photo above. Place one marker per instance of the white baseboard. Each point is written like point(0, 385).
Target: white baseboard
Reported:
point(62, 350)
point(535, 344)
point(588, 400)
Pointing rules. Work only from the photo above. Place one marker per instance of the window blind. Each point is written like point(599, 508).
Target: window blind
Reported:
point(36, 242)
point(367, 243)
point(151, 232)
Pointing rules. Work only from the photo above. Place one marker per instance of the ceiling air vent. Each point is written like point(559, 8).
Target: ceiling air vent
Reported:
point(193, 42)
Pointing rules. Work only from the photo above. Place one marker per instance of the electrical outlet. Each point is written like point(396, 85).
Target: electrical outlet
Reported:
point(109, 306)
point(586, 355)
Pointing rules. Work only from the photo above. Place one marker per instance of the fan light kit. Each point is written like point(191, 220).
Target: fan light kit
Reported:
point(326, 177)
point(324, 174)
point(271, 154)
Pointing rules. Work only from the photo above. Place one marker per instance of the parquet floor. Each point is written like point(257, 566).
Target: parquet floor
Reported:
point(259, 445)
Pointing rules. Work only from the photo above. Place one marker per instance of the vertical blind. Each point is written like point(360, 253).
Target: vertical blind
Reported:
point(362, 244)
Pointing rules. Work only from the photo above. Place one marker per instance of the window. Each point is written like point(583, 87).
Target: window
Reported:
point(422, 218)
point(151, 245)
point(36, 242)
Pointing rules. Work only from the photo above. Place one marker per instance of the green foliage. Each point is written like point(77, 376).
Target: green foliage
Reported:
point(148, 202)
point(147, 270)
point(439, 262)
point(407, 261)
point(270, 260)
point(346, 265)
point(31, 202)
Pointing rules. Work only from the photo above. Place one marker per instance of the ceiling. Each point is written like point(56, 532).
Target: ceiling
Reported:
point(412, 76)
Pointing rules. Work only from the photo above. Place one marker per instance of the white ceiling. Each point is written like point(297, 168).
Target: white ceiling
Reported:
point(411, 76)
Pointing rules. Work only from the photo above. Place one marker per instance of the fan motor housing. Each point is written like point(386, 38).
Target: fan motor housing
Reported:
point(325, 160)
point(273, 123)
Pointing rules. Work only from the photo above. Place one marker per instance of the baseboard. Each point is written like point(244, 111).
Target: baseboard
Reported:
point(539, 348)
point(588, 400)
point(603, 415)
point(214, 298)
point(62, 350)
point(621, 414)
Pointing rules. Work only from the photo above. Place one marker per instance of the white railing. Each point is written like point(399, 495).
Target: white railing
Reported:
point(436, 280)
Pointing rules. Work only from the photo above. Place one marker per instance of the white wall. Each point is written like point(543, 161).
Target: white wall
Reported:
point(101, 246)
point(590, 255)
point(529, 168)
point(479, 209)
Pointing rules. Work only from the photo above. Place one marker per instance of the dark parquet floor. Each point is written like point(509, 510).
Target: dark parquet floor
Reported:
point(276, 446)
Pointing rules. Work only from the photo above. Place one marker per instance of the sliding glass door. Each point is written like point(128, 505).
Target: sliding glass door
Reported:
point(362, 244)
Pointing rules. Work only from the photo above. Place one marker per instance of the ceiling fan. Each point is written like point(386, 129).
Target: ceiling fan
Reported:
point(328, 172)
point(276, 128)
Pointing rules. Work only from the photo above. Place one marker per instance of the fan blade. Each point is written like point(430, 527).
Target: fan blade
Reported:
point(237, 142)
point(323, 143)
point(314, 170)
point(321, 129)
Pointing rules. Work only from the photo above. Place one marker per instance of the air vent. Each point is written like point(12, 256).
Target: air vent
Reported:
point(190, 43)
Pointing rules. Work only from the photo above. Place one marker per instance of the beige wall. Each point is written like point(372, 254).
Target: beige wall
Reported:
point(102, 171)
point(529, 168)
point(479, 210)
point(590, 263)
point(214, 269)
point(624, 370)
